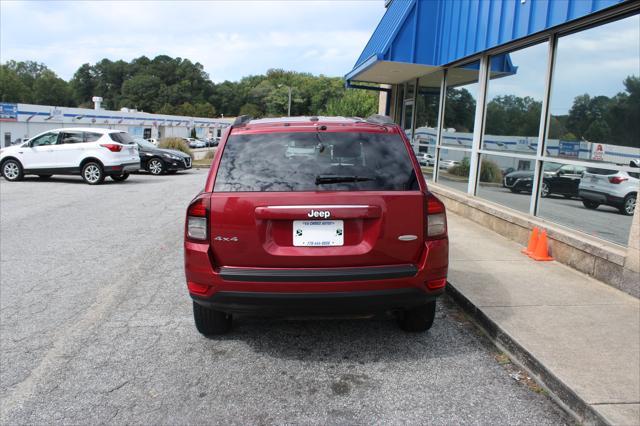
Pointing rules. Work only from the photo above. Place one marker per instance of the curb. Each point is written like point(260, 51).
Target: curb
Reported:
point(562, 394)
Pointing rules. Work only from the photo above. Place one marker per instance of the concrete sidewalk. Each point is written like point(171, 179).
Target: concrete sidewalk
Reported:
point(580, 337)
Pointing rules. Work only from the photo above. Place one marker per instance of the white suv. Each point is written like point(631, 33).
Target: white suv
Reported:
point(610, 187)
point(89, 152)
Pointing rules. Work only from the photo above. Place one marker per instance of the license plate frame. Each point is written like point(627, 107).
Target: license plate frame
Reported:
point(318, 233)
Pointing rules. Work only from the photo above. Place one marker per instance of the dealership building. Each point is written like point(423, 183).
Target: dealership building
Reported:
point(23, 121)
point(538, 92)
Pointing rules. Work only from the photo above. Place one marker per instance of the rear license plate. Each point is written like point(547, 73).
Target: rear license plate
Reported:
point(318, 233)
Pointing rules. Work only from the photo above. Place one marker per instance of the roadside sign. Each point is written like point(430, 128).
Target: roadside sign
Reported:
point(598, 154)
point(8, 112)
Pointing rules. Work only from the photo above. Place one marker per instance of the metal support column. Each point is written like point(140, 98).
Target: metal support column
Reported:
point(443, 97)
point(544, 126)
point(478, 125)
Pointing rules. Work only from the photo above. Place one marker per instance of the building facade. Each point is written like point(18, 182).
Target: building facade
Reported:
point(23, 121)
point(548, 89)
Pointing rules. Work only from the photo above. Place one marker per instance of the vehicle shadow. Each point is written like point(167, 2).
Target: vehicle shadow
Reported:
point(362, 341)
point(78, 180)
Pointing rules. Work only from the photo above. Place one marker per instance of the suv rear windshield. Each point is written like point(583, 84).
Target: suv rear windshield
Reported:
point(122, 137)
point(315, 162)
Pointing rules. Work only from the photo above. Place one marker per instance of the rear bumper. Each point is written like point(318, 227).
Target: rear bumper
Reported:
point(601, 197)
point(122, 168)
point(335, 303)
point(310, 291)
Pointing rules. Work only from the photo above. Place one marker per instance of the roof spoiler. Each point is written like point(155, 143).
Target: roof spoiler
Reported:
point(380, 119)
point(242, 120)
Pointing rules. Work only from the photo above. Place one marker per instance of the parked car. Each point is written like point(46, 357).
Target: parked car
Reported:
point(158, 160)
point(447, 164)
point(152, 141)
point(195, 143)
point(558, 179)
point(211, 142)
point(426, 159)
point(618, 189)
point(331, 217)
point(90, 152)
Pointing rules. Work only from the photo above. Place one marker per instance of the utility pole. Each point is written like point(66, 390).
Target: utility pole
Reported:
point(289, 105)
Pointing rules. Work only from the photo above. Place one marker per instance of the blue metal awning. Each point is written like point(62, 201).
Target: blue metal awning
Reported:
point(415, 37)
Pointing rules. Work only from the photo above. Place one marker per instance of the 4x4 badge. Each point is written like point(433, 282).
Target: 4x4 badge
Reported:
point(226, 239)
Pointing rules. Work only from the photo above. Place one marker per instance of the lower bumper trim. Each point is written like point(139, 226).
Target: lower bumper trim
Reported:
point(360, 302)
point(318, 275)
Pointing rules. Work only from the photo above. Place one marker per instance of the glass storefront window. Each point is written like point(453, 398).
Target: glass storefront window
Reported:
point(595, 98)
point(460, 105)
point(597, 201)
point(506, 181)
point(427, 104)
point(514, 100)
point(454, 168)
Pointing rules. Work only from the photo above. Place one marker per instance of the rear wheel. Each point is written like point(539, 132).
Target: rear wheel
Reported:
point(12, 170)
point(514, 190)
point(156, 166)
point(92, 173)
point(209, 321)
point(120, 178)
point(590, 204)
point(629, 205)
point(419, 318)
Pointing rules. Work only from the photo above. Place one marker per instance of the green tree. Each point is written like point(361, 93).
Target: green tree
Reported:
point(12, 89)
point(251, 110)
point(354, 103)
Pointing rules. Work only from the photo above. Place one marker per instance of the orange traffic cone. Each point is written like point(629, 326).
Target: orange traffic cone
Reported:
point(541, 253)
point(533, 241)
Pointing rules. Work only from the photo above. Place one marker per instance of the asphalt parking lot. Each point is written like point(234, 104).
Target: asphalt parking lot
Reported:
point(96, 327)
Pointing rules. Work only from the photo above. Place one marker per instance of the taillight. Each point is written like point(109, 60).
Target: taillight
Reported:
point(197, 219)
point(112, 147)
point(436, 220)
point(617, 179)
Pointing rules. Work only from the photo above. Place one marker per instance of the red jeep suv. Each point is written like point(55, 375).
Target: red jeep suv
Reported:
point(315, 216)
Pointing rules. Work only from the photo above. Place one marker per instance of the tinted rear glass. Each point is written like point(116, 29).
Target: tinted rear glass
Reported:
point(294, 162)
point(124, 138)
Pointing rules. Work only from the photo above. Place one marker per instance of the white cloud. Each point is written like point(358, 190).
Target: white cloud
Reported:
point(230, 38)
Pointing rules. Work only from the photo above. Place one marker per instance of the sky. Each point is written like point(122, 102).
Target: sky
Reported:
point(231, 39)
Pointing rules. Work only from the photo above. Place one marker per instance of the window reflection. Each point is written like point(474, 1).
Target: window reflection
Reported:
point(460, 105)
point(595, 100)
point(506, 181)
point(514, 100)
point(454, 168)
point(597, 201)
point(427, 104)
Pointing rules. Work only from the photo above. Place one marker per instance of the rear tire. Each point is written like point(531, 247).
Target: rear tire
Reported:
point(629, 205)
point(210, 322)
point(120, 178)
point(418, 319)
point(515, 191)
point(592, 205)
point(92, 173)
point(12, 170)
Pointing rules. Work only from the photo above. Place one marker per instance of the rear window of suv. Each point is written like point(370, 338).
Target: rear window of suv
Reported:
point(315, 162)
point(122, 137)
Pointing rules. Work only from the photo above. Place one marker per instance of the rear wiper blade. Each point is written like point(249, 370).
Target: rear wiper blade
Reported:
point(320, 179)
